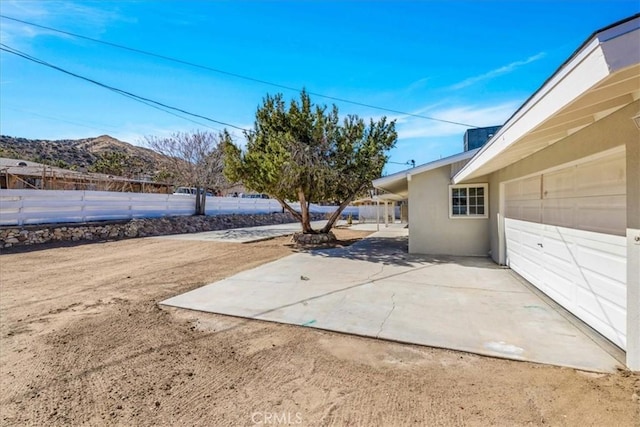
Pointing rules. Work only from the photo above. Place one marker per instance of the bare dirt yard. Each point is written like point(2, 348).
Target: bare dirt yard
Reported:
point(83, 341)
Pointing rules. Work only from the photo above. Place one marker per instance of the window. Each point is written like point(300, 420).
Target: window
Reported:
point(468, 201)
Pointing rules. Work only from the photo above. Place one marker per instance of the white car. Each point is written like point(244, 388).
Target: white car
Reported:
point(189, 191)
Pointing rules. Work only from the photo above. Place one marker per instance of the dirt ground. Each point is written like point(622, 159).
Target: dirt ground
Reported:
point(83, 341)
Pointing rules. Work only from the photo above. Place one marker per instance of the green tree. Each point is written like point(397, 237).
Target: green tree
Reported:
point(111, 163)
point(302, 152)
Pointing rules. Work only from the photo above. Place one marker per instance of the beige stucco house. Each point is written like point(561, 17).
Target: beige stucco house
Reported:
point(555, 193)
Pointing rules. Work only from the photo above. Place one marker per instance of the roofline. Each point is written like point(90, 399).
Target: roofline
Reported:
point(398, 176)
point(443, 162)
point(575, 53)
point(465, 171)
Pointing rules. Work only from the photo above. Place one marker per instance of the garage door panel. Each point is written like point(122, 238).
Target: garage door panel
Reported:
point(604, 174)
point(524, 189)
point(608, 261)
point(558, 212)
point(600, 309)
point(605, 214)
point(602, 214)
point(603, 286)
point(522, 250)
point(526, 210)
point(570, 228)
point(606, 318)
point(558, 287)
point(559, 275)
point(520, 263)
point(583, 271)
point(559, 184)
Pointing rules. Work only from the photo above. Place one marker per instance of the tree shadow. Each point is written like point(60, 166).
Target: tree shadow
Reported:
point(385, 250)
point(395, 251)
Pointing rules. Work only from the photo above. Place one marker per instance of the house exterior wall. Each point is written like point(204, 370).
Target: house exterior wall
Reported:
point(613, 131)
point(431, 231)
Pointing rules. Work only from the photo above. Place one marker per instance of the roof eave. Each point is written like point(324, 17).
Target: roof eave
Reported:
point(588, 66)
point(391, 183)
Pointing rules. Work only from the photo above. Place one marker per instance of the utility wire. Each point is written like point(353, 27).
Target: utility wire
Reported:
point(58, 119)
point(216, 70)
point(149, 102)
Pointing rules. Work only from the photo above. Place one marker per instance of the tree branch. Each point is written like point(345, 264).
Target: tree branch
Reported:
point(289, 209)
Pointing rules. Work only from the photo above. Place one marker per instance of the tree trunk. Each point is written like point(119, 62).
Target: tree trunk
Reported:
point(305, 219)
point(335, 215)
point(285, 206)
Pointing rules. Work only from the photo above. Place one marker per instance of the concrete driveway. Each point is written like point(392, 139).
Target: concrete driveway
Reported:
point(245, 234)
point(375, 289)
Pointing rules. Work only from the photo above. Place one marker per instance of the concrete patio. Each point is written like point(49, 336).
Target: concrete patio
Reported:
point(375, 289)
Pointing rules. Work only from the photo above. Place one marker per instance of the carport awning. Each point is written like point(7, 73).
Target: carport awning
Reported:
point(397, 185)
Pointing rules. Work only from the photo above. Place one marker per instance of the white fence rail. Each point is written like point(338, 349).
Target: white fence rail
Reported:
point(24, 207)
point(373, 213)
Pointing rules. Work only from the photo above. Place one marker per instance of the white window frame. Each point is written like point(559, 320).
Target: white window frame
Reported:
point(485, 197)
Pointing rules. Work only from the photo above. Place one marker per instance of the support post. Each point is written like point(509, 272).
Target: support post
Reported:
point(386, 214)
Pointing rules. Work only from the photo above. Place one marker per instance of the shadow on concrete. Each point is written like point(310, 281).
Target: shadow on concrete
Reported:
point(385, 250)
point(395, 251)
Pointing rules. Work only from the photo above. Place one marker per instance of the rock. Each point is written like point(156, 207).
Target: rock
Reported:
point(314, 239)
point(147, 226)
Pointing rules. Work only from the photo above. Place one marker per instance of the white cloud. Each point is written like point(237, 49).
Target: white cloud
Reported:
point(418, 84)
point(498, 71)
point(93, 20)
point(477, 115)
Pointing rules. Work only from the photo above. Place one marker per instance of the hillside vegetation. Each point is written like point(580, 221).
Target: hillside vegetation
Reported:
point(92, 154)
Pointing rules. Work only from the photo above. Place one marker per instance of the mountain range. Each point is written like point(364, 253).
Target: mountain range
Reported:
point(82, 153)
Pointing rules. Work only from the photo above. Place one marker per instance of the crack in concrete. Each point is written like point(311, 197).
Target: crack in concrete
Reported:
point(393, 307)
point(371, 279)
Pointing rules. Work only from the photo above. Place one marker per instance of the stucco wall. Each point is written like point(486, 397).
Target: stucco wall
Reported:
point(431, 231)
point(612, 131)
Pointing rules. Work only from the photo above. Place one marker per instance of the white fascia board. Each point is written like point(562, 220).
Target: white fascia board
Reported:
point(398, 177)
point(443, 162)
point(586, 69)
point(390, 179)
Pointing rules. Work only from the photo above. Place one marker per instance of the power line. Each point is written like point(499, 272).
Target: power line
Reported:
point(408, 162)
point(58, 119)
point(228, 73)
point(149, 102)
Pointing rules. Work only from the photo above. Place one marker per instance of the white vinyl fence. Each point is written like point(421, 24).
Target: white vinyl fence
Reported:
point(371, 213)
point(23, 207)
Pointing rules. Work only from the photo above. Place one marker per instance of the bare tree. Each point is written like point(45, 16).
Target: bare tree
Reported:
point(195, 159)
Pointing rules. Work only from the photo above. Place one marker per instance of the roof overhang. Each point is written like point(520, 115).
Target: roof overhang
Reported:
point(397, 184)
point(601, 77)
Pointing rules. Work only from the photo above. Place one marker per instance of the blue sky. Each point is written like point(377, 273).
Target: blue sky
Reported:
point(473, 62)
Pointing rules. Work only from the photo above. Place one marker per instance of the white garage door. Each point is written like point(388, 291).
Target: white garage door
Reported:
point(565, 234)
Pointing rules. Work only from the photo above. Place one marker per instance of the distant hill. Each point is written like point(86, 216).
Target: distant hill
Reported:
point(82, 153)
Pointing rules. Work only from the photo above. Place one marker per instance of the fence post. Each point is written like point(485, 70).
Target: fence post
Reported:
point(21, 212)
point(83, 211)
